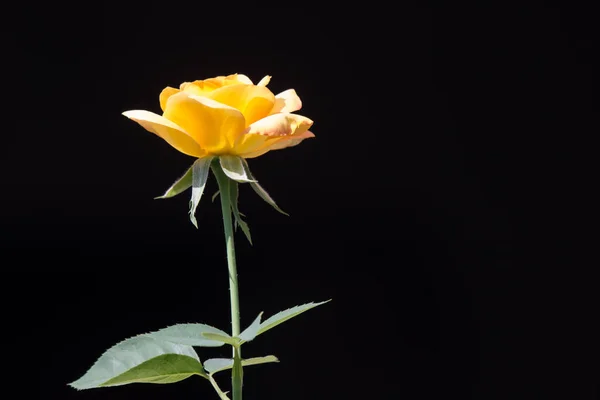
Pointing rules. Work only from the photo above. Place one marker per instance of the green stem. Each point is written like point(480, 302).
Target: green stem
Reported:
point(221, 394)
point(224, 192)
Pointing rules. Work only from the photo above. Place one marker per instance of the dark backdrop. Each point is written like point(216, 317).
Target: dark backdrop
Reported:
point(447, 180)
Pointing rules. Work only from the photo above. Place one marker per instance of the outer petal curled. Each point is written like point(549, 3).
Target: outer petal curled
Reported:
point(263, 135)
point(172, 133)
point(282, 124)
point(280, 143)
point(264, 81)
point(213, 125)
point(291, 141)
point(287, 102)
point(165, 94)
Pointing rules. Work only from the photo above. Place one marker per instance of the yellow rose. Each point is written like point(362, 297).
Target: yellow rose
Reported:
point(226, 115)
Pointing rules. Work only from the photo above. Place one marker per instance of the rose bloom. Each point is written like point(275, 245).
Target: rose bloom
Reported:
point(226, 115)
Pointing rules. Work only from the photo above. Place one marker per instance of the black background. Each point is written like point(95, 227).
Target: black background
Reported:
point(437, 205)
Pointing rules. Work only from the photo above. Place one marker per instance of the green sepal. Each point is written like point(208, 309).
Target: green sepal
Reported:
point(260, 190)
point(233, 167)
point(234, 195)
point(200, 170)
point(180, 185)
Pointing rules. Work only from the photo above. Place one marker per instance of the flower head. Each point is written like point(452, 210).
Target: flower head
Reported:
point(226, 115)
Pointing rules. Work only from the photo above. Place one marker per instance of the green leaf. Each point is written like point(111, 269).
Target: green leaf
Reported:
point(189, 334)
point(252, 330)
point(214, 196)
point(233, 167)
point(142, 359)
point(200, 170)
point(168, 368)
point(234, 194)
point(261, 191)
point(222, 338)
point(181, 185)
point(283, 316)
point(215, 365)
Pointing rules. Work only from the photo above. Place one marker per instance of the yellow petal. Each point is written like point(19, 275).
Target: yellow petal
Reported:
point(205, 86)
point(250, 143)
point(173, 134)
point(261, 136)
point(255, 102)
point(239, 78)
point(287, 102)
point(194, 88)
point(282, 124)
point(210, 84)
point(279, 143)
point(215, 126)
point(264, 81)
point(291, 141)
point(164, 96)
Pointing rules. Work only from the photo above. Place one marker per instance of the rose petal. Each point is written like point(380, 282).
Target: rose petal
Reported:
point(255, 102)
point(215, 126)
point(250, 143)
point(195, 88)
point(173, 134)
point(287, 102)
point(280, 143)
point(164, 96)
point(205, 86)
point(264, 81)
point(210, 84)
point(291, 140)
point(240, 78)
point(263, 134)
point(282, 124)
